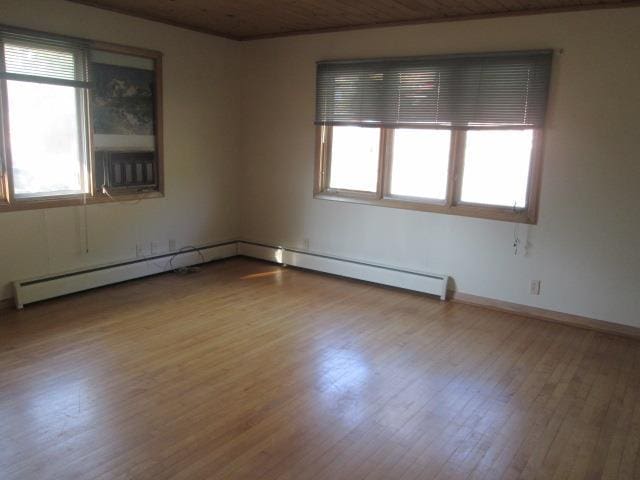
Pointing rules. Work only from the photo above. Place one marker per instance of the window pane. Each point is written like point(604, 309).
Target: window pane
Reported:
point(420, 163)
point(496, 167)
point(354, 158)
point(46, 148)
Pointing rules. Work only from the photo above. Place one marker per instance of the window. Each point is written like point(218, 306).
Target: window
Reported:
point(420, 163)
point(457, 134)
point(44, 90)
point(355, 153)
point(74, 114)
point(496, 167)
point(47, 151)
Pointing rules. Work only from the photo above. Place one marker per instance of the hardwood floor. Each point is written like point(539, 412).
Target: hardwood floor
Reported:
point(246, 370)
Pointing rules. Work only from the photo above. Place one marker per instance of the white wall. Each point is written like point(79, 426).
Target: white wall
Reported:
point(201, 140)
point(586, 246)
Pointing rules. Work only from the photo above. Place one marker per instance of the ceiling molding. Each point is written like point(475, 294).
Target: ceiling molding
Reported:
point(361, 26)
point(457, 18)
point(157, 19)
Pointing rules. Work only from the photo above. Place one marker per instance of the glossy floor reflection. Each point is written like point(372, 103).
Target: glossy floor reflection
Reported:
point(246, 370)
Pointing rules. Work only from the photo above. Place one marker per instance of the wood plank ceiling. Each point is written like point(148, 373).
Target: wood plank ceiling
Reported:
point(250, 19)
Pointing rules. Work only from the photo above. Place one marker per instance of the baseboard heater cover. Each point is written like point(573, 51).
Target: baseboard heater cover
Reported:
point(260, 251)
point(37, 289)
point(43, 288)
point(433, 284)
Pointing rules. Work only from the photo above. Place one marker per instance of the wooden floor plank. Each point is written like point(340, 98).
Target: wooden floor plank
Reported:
point(249, 370)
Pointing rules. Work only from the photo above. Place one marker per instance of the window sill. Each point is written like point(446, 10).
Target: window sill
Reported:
point(475, 211)
point(73, 201)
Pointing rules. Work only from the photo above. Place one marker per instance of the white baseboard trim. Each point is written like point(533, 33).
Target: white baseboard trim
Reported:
point(261, 252)
point(408, 280)
point(36, 289)
point(42, 288)
point(432, 284)
point(359, 270)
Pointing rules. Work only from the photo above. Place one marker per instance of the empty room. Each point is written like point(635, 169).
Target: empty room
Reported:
point(319, 239)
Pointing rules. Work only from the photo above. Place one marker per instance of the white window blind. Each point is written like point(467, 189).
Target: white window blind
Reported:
point(31, 58)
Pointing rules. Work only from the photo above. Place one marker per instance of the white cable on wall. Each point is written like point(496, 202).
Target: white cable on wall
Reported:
point(86, 223)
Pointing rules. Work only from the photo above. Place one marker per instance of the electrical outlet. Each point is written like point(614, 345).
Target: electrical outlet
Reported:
point(172, 245)
point(305, 243)
point(534, 288)
point(139, 250)
point(155, 248)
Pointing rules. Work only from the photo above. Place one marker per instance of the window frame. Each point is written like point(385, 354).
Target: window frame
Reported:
point(10, 202)
point(452, 204)
point(82, 117)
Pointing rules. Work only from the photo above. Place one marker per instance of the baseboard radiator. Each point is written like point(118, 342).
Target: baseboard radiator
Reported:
point(36, 289)
point(43, 288)
point(430, 283)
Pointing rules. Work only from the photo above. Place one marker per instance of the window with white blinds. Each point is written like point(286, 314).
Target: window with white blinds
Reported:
point(31, 58)
point(54, 149)
point(44, 90)
point(454, 134)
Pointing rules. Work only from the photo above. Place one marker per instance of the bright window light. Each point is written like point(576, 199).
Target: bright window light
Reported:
point(420, 163)
point(354, 158)
point(496, 167)
point(46, 146)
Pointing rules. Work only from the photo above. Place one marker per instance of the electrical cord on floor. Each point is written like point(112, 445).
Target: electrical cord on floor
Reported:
point(150, 261)
point(185, 270)
point(169, 267)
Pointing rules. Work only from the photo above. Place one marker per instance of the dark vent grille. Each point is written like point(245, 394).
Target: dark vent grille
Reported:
point(127, 170)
